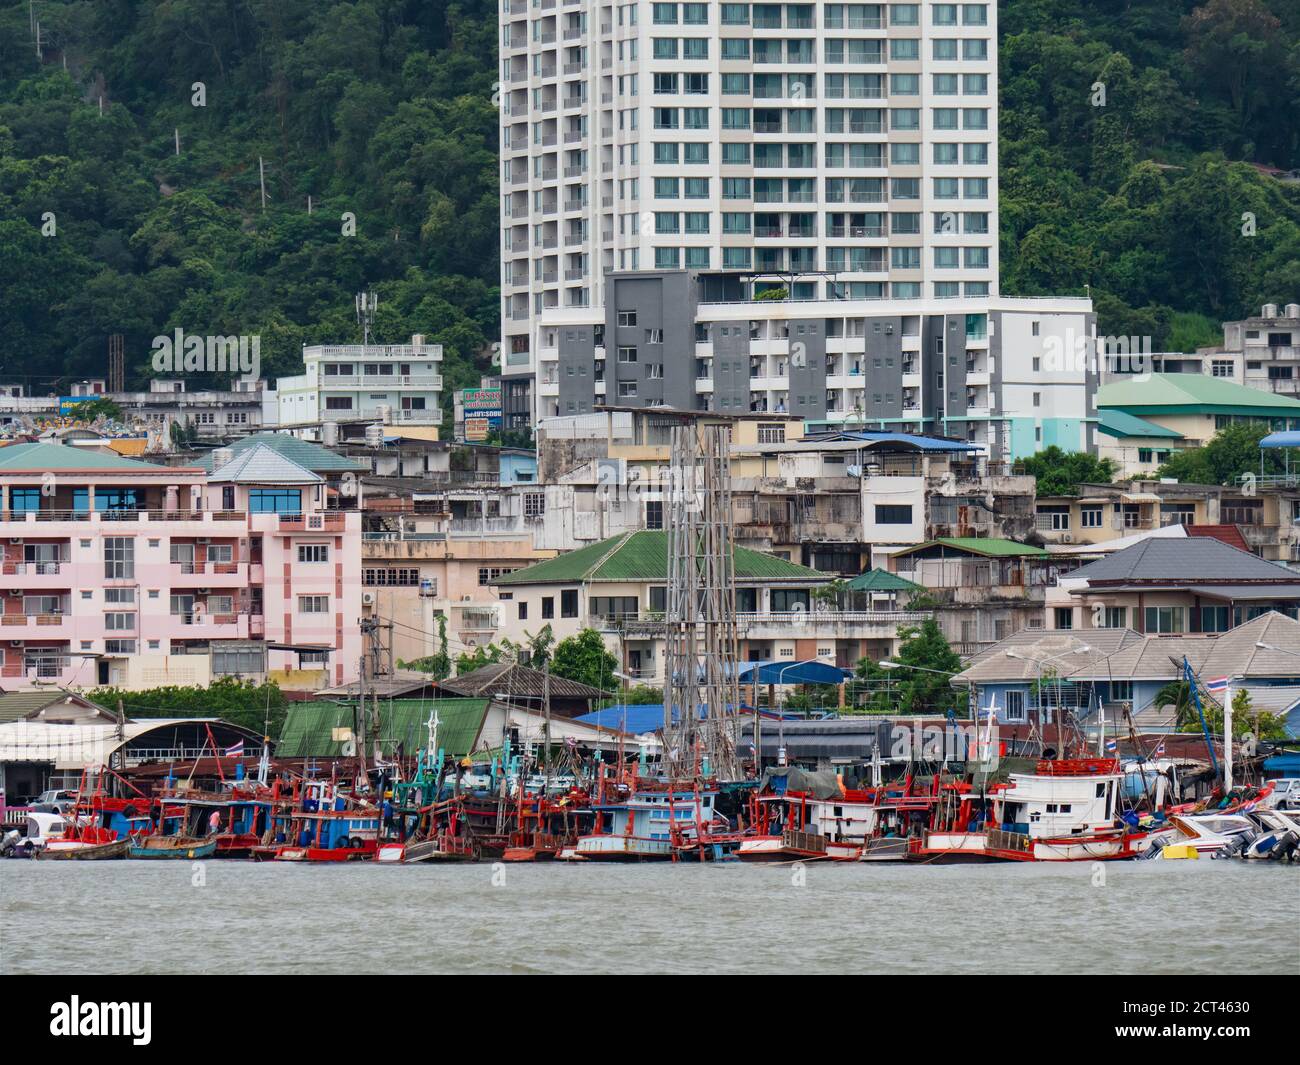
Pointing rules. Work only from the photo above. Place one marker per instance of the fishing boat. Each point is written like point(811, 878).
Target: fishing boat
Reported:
point(185, 848)
point(1068, 809)
point(441, 848)
point(242, 818)
point(655, 822)
point(90, 852)
point(323, 825)
point(798, 826)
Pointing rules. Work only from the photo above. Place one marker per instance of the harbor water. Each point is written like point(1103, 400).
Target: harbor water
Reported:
point(1208, 917)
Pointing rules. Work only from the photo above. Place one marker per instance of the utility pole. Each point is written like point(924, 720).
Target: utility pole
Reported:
point(546, 732)
point(702, 646)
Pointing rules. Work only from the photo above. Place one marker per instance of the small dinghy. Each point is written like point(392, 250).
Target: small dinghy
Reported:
point(91, 852)
point(186, 848)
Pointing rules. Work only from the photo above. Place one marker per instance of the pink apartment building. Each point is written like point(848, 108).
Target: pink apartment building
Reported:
point(126, 572)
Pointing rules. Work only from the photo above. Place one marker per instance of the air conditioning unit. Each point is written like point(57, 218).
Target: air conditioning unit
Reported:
point(467, 599)
point(1066, 538)
point(15, 643)
point(367, 598)
point(15, 539)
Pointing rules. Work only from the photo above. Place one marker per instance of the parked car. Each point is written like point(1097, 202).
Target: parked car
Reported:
point(55, 801)
point(1286, 793)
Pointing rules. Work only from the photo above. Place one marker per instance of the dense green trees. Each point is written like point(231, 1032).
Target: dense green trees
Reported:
point(386, 110)
point(1234, 451)
point(378, 108)
point(1059, 472)
point(1119, 124)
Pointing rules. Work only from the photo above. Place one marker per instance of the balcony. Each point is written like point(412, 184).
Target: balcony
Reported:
point(291, 523)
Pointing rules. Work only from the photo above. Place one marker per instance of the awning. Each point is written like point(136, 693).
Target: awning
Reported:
point(1140, 497)
point(809, 671)
point(1290, 438)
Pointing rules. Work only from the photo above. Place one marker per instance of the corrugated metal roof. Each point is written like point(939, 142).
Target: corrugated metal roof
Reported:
point(515, 680)
point(39, 458)
point(1186, 561)
point(879, 580)
point(78, 746)
point(310, 456)
point(981, 545)
point(308, 726)
point(643, 556)
point(262, 465)
point(1183, 390)
point(17, 705)
point(1120, 423)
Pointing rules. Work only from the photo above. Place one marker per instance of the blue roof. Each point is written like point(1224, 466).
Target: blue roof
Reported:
point(1290, 438)
point(921, 443)
point(809, 671)
point(637, 718)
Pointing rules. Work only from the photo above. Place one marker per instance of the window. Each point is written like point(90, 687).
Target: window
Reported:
point(1055, 519)
point(119, 557)
point(1166, 619)
point(548, 607)
point(24, 500)
point(313, 553)
point(1064, 617)
point(891, 514)
point(654, 514)
point(275, 500)
point(397, 577)
point(534, 505)
point(1215, 619)
point(229, 658)
point(627, 318)
point(1114, 617)
point(1015, 706)
point(487, 574)
point(1090, 517)
point(569, 603)
point(313, 604)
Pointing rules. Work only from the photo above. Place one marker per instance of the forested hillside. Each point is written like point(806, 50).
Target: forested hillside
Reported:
point(384, 109)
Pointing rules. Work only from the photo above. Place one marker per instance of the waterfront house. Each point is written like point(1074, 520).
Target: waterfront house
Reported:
point(122, 572)
point(1171, 586)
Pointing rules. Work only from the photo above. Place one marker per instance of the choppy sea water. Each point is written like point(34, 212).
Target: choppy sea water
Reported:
point(1211, 917)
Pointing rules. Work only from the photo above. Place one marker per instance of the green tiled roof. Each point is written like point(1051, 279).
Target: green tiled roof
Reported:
point(14, 706)
point(982, 545)
point(44, 457)
point(1193, 393)
point(879, 580)
point(1120, 424)
point(308, 728)
point(643, 556)
point(309, 456)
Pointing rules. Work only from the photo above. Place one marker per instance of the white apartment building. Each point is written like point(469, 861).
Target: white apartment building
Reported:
point(825, 151)
point(363, 382)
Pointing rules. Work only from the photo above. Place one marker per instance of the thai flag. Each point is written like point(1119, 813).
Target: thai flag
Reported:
point(237, 751)
point(1160, 750)
point(1112, 746)
point(1218, 684)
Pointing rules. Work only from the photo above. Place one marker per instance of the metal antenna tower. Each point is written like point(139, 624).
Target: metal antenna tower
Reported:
point(702, 648)
point(367, 304)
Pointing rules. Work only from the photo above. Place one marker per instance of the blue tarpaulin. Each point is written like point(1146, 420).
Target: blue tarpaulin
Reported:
point(645, 717)
point(1290, 438)
point(809, 671)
